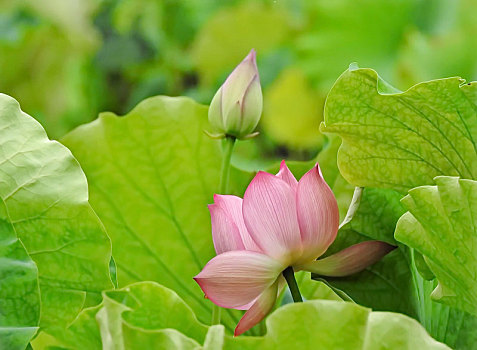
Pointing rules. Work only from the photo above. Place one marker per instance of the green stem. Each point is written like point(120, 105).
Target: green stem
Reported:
point(225, 171)
point(289, 275)
point(224, 184)
point(215, 314)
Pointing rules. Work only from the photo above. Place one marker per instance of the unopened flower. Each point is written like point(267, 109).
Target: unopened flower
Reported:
point(236, 107)
point(279, 223)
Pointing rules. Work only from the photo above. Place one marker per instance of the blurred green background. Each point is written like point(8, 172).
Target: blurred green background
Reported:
point(67, 60)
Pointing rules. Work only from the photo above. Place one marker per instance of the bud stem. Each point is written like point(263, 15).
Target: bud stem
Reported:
point(224, 184)
point(289, 275)
point(225, 172)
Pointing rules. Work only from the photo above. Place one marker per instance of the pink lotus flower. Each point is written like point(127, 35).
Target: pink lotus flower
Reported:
point(279, 223)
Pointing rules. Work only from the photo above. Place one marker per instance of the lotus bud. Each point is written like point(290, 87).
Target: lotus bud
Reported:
point(236, 107)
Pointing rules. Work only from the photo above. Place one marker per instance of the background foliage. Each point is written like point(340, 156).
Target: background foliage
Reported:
point(151, 171)
point(95, 56)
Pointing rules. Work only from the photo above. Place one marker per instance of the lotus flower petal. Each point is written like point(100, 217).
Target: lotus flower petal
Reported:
point(281, 284)
point(350, 260)
point(318, 214)
point(239, 80)
point(269, 211)
point(235, 278)
point(246, 306)
point(252, 106)
point(225, 233)
point(286, 175)
point(228, 228)
point(262, 306)
point(236, 107)
point(216, 118)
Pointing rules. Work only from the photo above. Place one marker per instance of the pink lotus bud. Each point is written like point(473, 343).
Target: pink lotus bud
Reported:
point(236, 107)
point(280, 222)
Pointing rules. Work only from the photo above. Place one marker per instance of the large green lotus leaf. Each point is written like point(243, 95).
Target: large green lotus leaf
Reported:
point(401, 140)
point(151, 175)
point(377, 214)
point(143, 315)
point(146, 314)
point(388, 330)
point(45, 198)
point(441, 225)
point(149, 306)
point(82, 333)
point(379, 210)
point(19, 290)
point(447, 324)
point(162, 339)
point(326, 324)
